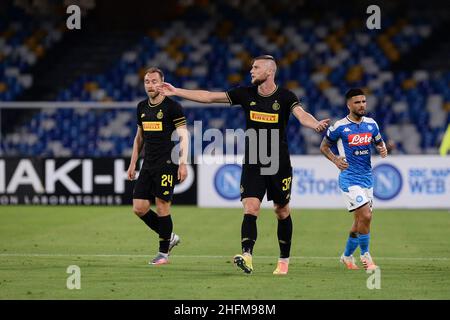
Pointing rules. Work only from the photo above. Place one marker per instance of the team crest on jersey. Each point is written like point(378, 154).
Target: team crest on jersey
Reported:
point(242, 189)
point(369, 127)
point(276, 106)
point(253, 103)
point(142, 115)
point(347, 130)
point(160, 114)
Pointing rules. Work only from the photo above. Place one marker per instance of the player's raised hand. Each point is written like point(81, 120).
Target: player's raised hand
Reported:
point(382, 150)
point(131, 172)
point(323, 125)
point(166, 89)
point(182, 172)
point(341, 163)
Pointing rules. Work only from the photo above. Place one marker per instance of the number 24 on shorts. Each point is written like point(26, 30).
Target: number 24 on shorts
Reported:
point(166, 178)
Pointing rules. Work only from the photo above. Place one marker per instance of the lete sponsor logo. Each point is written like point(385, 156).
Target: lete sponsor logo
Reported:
point(360, 139)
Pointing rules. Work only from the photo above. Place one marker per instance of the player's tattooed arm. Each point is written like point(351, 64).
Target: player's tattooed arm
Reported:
point(308, 119)
point(137, 147)
point(202, 96)
point(325, 148)
point(382, 149)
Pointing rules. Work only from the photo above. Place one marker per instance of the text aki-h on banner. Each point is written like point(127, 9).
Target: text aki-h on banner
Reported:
point(87, 181)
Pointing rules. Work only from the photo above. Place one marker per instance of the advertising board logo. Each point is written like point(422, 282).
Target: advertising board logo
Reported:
point(227, 181)
point(387, 182)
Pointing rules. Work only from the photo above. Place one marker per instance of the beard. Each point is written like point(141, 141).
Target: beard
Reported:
point(360, 114)
point(152, 94)
point(257, 82)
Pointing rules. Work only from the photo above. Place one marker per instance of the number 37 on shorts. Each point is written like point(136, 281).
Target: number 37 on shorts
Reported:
point(286, 183)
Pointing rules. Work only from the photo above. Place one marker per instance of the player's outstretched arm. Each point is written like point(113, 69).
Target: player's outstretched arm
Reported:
point(325, 148)
point(137, 147)
point(309, 121)
point(202, 96)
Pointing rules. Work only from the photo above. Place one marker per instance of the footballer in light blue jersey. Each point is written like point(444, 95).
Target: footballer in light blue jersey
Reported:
point(354, 136)
point(354, 142)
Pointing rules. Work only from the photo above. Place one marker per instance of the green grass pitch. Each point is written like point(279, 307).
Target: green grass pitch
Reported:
point(112, 248)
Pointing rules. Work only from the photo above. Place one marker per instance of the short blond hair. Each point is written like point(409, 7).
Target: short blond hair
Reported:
point(265, 57)
point(270, 59)
point(157, 70)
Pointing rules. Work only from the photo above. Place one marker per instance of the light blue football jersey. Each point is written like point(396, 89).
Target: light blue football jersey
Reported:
point(353, 142)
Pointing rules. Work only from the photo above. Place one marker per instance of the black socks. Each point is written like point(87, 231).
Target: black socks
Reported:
point(284, 233)
point(165, 231)
point(151, 220)
point(248, 233)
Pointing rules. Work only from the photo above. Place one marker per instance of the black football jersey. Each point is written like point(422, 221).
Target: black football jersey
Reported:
point(266, 112)
point(158, 122)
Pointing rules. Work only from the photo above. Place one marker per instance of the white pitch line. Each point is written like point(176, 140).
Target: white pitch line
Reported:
point(203, 256)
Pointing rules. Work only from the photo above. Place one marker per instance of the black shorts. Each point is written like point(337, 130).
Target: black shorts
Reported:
point(156, 182)
point(278, 186)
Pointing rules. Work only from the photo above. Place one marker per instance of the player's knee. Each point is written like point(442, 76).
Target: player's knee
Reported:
point(251, 206)
point(282, 211)
point(162, 207)
point(140, 209)
point(252, 209)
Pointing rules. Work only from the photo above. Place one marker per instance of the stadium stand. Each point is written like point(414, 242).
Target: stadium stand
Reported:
point(211, 46)
point(24, 40)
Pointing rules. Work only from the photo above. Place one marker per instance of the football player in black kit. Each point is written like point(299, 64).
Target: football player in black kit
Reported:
point(157, 118)
point(267, 107)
